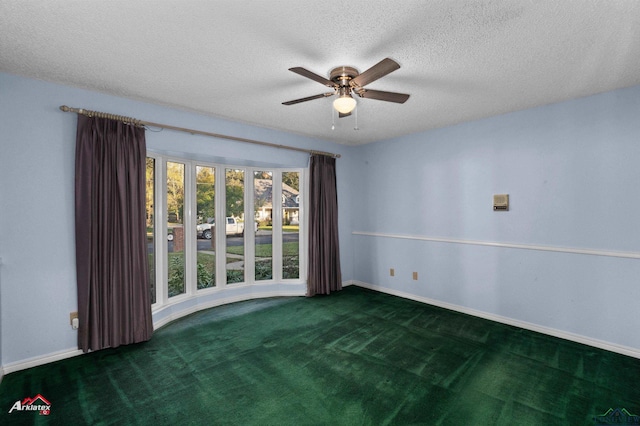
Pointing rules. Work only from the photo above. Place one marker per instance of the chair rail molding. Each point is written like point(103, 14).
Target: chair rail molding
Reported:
point(589, 252)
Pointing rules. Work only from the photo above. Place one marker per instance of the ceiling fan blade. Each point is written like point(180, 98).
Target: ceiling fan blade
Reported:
point(380, 95)
point(377, 71)
point(309, 98)
point(313, 76)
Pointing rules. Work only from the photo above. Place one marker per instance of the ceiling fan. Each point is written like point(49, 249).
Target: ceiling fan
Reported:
point(346, 80)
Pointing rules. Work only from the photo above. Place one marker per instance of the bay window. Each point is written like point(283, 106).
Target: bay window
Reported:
point(217, 226)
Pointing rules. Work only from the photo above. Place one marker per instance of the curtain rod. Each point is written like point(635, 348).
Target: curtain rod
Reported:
point(143, 123)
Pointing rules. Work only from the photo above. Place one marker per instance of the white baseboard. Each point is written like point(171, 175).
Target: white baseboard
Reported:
point(69, 353)
point(612, 347)
point(41, 360)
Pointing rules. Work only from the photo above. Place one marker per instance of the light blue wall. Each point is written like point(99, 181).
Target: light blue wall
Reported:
point(37, 199)
point(572, 171)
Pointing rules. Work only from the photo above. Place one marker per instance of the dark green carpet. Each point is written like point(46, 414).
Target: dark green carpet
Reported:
point(356, 357)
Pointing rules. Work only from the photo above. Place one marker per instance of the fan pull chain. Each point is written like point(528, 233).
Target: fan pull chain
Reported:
point(356, 128)
point(333, 119)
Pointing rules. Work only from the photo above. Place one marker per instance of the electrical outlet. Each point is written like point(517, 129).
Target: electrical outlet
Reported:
point(415, 276)
point(392, 272)
point(75, 323)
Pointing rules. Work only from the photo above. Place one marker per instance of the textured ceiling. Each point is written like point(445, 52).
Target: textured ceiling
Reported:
point(460, 60)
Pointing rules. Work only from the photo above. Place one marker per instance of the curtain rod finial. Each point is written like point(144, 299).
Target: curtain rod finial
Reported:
point(65, 108)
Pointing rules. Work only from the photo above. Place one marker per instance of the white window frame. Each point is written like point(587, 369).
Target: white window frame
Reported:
point(190, 220)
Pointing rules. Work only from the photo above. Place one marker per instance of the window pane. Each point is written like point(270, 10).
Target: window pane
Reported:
point(234, 183)
point(175, 227)
point(151, 248)
point(263, 205)
point(290, 224)
point(205, 229)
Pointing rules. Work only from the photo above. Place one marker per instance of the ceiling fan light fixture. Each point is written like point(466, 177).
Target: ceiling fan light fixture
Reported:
point(347, 80)
point(344, 103)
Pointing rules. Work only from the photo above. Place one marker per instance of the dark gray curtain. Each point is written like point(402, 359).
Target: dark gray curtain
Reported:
point(111, 245)
point(324, 249)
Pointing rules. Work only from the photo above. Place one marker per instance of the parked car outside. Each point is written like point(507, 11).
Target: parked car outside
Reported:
point(204, 229)
point(234, 227)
